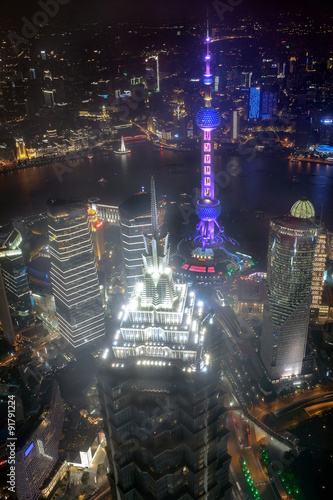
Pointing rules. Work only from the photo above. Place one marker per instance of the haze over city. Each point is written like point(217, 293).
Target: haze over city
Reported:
point(166, 248)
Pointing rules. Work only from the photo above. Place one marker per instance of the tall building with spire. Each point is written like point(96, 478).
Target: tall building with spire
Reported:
point(160, 391)
point(209, 232)
point(291, 250)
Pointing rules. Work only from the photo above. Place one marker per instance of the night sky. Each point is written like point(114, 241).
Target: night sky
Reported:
point(149, 10)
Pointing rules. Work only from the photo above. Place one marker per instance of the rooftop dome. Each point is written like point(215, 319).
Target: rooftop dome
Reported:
point(208, 118)
point(303, 209)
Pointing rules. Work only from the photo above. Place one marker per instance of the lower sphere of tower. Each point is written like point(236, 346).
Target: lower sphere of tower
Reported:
point(208, 80)
point(208, 209)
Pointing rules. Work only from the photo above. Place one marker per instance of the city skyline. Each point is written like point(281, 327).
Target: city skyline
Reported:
point(166, 250)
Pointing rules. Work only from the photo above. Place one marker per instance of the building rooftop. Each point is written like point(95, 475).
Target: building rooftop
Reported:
point(303, 209)
point(295, 223)
point(137, 205)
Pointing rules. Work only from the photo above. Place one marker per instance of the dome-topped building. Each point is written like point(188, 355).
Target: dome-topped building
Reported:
point(303, 209)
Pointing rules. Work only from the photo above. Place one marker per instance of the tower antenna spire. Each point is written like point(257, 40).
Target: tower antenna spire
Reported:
point(154, 211)
point(207, 24)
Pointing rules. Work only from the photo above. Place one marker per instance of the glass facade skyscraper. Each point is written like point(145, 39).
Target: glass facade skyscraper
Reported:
point(135, 220)
point(73, 273)
point(15, 281)
point(160, 392)
point(292, 243)
point(38, 443)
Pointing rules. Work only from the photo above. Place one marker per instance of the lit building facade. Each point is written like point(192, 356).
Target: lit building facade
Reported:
point(107, 213)
point(135, 220)
point(254, 106)
point(319, 266)
point(15, 281)
point(97, 232)
point(21, 151)
point(6, 324)
point(38, 443)
point(234, 125)
point(160, 393)
point(291, 250)
point(73, 274)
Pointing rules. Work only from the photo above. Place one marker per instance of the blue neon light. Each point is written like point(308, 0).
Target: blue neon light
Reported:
point(323, 148)
point(254, 111)
point(28, 450)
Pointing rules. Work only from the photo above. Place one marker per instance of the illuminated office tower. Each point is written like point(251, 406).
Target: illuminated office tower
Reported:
point(269, 104)
point(180, 119)
point(234, 125)
point(135, 220)
point(38, 442)
point(150, 71)
point(326, 130)
point(97, 233)
point(15, 281)
point(319, 266)
point(73, 273)
point(21, 151)
point(254, 108)
point(209, 233)
point(291, 250)
point(6, 324)
point(160, 392)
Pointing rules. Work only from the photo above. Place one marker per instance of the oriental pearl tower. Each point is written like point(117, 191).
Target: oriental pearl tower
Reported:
point(209, 255)
point(209, 233)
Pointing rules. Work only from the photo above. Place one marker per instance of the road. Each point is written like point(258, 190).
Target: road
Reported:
point(292, 402)
point(251, 456)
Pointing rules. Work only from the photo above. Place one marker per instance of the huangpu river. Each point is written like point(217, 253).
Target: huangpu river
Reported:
point(245, 184)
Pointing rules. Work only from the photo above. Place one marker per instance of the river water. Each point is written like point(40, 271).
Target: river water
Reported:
point(245, 184)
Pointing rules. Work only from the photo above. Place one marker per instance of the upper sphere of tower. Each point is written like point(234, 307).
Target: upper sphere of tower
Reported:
point(208, 118)
point(303, 209)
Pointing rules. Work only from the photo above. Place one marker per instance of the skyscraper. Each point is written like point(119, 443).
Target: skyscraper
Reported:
point(319, 265)
point(291, 248)
point(73, 273)
point(234, 125)
point(135, 220)
point(38, 443)
point(15, 281)
point(160, 392)
point(6, 324)
point(254, 109)
point(21, 151)
point(97, 233)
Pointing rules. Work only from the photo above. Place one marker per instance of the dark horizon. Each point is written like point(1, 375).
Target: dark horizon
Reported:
point(102, 11)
